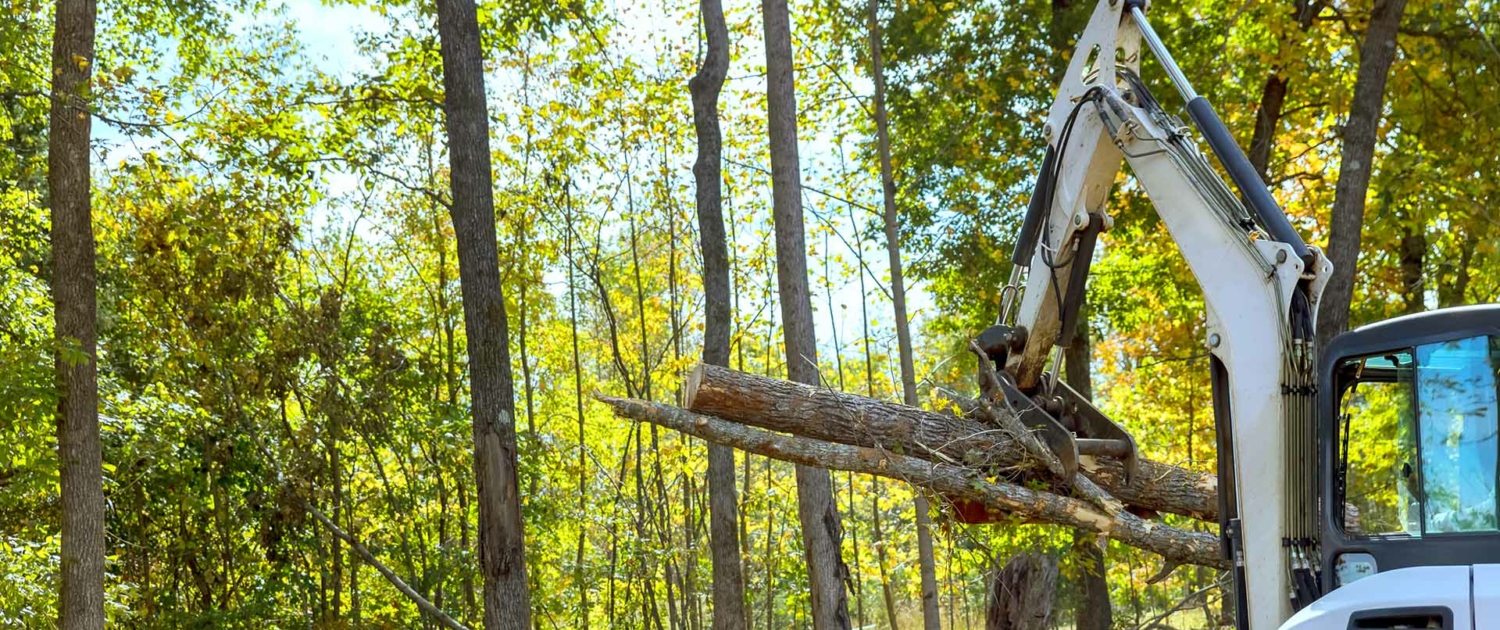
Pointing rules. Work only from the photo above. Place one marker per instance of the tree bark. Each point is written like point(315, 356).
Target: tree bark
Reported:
point(959, 482)
point(816, 510)
point(502, 557)
point(1093, 611)
point(728, 574)
point(1273, 96)
point(1360, 133)
point(583, 482)
point(1413, 256)
point(832, 416)
point(80, 455)
point(1454, 284)
point(925, 562)
point(1020, 593)
point(1267, 117)
point(881, 563)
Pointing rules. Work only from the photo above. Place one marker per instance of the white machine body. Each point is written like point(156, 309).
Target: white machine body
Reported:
point(1447, 597)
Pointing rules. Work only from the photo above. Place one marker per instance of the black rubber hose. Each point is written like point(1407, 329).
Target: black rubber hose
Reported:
point(1036, 212)
point(1266, 211)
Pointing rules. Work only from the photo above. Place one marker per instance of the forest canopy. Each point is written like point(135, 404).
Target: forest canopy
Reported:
point(283, 264)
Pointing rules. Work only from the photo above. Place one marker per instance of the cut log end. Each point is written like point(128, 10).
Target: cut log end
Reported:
point(690, 386)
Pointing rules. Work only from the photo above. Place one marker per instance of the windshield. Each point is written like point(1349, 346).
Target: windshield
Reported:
point(1456, 395)
point(1440, 397)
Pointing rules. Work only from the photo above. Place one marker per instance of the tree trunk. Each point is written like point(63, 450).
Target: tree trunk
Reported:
point(832, 416)
point(502, 557)
point(80, 455)
point(578, 566)
point(1413, 253)
point(816, 510)
point(1360, 133)
point(1273, 97)
point(728, 576)
point(925, 562)
point(1454, 284)
point(858, 578)
point(954, 481)
point(1093, 612)
point(1267, 117)
point(881, 563)
point(1020, 593)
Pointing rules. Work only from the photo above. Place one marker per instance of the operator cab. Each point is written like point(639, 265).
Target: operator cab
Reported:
point(1408, 445)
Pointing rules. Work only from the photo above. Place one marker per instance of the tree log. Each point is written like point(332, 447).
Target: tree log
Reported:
point(954, 481)
point(832, 416)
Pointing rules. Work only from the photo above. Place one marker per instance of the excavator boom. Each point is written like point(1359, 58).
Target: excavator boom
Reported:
point(1260, 281)
point(1313, 515)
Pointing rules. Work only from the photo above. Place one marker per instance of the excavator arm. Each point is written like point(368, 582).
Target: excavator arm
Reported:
point(1261, 284)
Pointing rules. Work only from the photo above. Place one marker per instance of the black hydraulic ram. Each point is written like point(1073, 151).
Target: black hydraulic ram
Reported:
point(1266, 211)
point(1036, 211)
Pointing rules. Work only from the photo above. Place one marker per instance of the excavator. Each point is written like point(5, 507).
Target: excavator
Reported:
point(1357, 482)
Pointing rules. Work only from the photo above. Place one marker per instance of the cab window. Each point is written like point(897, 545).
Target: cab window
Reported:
point(1417, 439)
point(1379, 446)
point(1456, 396)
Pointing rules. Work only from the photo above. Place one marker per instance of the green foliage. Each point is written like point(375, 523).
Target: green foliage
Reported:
point(281, 319)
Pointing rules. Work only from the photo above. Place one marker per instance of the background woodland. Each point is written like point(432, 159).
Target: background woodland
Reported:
point(280, 324)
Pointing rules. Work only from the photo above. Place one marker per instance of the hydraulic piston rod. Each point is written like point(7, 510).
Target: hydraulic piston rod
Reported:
point(1267, 212)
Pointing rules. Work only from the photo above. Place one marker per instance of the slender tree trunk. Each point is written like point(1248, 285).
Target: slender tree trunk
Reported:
point(833, 321)
point(467, 584)
point(79, 453)
point(646, 568)
point(769, 562)
point(728, 576)
point(858, 576)
point(881, 563)
point(646, 508)
point(1273, 95)
point(1413, 253)
point(523, 279)
point(819, 516)
point(1267, 117)
point(948, 584)
point(1360, 133)
point(1452, 286)
point(1093, 612)
point(336, 471)
point(502, 557)
point(930, 618)
point(578, 577)
point(355, 613)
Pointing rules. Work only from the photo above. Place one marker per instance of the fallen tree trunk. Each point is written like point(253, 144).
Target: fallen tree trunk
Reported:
point(824, 414)
point(1177, 546)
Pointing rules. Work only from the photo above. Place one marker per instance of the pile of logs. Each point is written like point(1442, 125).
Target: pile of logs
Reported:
point(979, 456)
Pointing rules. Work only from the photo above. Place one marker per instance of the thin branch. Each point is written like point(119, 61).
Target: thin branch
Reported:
point(395, 580)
